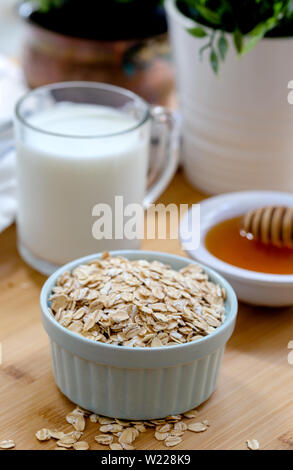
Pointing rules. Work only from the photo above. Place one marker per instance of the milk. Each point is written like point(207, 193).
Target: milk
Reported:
point(61, 178)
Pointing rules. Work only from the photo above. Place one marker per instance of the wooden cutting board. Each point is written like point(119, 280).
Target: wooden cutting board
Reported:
point(253, 399)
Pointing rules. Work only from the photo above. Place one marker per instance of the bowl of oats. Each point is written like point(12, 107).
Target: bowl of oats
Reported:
point(137, 334)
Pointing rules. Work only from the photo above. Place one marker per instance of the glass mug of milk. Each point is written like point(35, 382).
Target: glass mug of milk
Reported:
point(78, 144)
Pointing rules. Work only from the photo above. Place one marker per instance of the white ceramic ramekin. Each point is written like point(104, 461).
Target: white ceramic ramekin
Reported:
point(136, 383)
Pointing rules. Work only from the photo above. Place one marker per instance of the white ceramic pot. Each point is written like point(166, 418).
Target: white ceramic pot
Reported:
point(237, 126)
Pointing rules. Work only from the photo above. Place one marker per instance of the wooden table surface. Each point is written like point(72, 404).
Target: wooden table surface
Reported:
point(253, 399)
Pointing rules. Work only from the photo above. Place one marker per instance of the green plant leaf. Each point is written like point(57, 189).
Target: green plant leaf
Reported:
point(214, 61)
point(45, 5)
point(210, 15)
point(238, 40)
point(247, 20)
point(257, 34)
point(202, 49)
point(197, 32)
point(222, 46)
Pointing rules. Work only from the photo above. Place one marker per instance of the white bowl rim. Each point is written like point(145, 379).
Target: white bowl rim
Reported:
point(202, 255)
point(226, 325)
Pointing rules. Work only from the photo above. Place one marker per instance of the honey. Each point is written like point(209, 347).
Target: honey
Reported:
point(224, 241)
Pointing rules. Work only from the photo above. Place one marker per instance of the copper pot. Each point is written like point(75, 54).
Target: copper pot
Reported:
point(139, 65)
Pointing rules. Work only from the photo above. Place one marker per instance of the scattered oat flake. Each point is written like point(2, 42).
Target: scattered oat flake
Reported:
point(63, 444)
point(56, 434)
point(161, 436)
point(81, 445)
point(43, 434)
point(123, 423)
point(180, 426)
point(94, 418)
point(170, 430)
point(173, 418)
point(197, 427)
point(68, 440)
point(77, 421)
point(252, 444)
point(111, 428)
point(116, 446)
point(128, 446)
point(164, 428)
point(7, 444)
point(175, 432)
point(74, 434)
point(81, 411)
point(140, 427)
point(128, 436)
point(172, 441)
point(104, 439)
point(103, 420)
point(190, 414)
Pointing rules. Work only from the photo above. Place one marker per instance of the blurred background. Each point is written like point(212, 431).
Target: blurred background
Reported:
point(237, 127)
point(120, 42)
point(10, 28)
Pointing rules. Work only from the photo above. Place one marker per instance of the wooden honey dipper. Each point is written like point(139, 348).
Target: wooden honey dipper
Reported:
point(270, 225)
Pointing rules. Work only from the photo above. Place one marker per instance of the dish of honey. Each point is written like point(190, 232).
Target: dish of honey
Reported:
point(224, 241)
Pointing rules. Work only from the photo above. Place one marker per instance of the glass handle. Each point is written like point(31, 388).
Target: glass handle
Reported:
point(164, 152)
